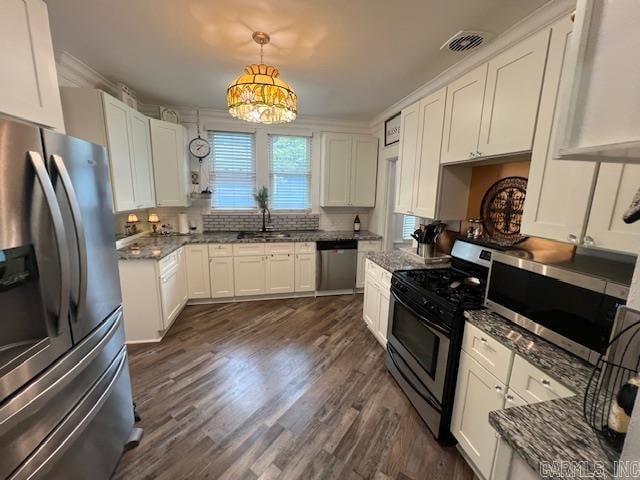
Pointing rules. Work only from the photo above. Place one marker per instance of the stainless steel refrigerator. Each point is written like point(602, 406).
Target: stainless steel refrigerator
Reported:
point(66, 408)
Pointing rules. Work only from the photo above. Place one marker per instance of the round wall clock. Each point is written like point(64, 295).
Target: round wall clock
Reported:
point(501, 210)
point(199, 147)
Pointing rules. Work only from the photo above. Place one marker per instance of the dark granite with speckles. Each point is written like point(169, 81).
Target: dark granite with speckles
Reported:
point(156, 247)
point(398, 260)
point(550, 431)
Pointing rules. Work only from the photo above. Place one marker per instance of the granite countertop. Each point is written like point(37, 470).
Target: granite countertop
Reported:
point(551, 431)
point(156, 247)
point(394, 260)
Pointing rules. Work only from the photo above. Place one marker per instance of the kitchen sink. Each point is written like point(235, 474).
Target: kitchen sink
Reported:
point(243, 235)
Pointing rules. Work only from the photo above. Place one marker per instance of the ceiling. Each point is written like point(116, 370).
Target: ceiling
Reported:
point(347, 59)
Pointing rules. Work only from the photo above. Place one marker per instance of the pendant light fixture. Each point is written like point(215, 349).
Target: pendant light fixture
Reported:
point(258, 95)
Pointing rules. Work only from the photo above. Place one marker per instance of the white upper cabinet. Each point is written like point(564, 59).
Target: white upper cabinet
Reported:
point(170, 163)
point(492, 110)
point(100, 118)
point(615, 187)
point(28, 84)
point(512, 95)
point(558, 192)
point(409, 144)
point(463, 115)
point(118, 132)
point(143, 168)
point(601, 89)
point(349, 169)
point(424, 187)
point(364, 167)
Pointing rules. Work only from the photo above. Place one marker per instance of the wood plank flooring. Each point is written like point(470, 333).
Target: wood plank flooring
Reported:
point(276, 389)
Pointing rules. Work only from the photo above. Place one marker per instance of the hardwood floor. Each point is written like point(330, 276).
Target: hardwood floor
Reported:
point(276, 389)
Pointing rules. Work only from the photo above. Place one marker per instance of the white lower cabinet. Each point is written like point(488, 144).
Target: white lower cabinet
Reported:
point(198, 275)
point(364, 249)
point(375, 309)
point(173, 286)
point(477, 393)
point(221, 275)
point(491, 377)
point(280, 273)
point(305, 272)
point(250, 275)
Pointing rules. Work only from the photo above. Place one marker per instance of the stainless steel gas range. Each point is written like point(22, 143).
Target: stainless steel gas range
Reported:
point(426, 327)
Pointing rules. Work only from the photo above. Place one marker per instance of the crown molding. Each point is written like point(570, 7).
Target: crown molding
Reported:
point(536, 21)
point(73, 71)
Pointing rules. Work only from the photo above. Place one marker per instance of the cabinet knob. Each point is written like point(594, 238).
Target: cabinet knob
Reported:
point(472, 154)
point(498, 388)
point(545, 382)
point(572, 238)
point(588, 240)
point(478, 154)
point(509, 398)
point(483, 340)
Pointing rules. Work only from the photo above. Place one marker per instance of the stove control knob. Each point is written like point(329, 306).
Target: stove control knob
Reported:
point(425, 302)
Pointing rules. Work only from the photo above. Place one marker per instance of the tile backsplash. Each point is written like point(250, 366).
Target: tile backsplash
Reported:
point(230, 222)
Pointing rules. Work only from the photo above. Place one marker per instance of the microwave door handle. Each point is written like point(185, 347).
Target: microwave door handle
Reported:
point(422, 319)
point(81, 242)
point(58, 231)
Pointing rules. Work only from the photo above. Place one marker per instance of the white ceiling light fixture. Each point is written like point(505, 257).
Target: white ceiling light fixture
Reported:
point(258, 95)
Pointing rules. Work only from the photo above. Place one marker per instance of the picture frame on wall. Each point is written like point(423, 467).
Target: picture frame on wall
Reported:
point(392, 130)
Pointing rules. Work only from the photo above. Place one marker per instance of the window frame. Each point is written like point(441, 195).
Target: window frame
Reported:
point(212, 176)
point(271, 174)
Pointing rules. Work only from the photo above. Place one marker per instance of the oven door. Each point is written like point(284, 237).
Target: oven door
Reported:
point(421, 342)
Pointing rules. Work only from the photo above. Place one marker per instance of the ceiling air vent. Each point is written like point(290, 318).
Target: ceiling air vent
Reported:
point(465, 40)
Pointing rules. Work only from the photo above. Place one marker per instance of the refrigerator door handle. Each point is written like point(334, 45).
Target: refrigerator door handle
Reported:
point(81, 243)
point(58, 229)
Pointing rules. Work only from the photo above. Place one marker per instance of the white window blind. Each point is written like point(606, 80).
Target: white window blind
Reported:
point(408, 226)
point(290, 172)
point(233, 170)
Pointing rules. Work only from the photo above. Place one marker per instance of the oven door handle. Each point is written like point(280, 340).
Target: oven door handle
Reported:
point(429, 399)
point(424, 320)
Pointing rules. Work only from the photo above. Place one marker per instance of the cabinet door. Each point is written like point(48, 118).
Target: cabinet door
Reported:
point(117, 118)
point(221, 275)
point(558, 191)
point(383, 315)
point(28, 84)
point(616, 186)
point(510, 108)
point(371, 308)
point(280, 273)
point(427, 174)
point(183, 289)
point(198, 281)
point(336, 169)
point(305, 272)
point(462, 116)
point(141, 160)
point(169, 163)
point(477, 393)
point(364, 167)
point(406, 170)
point(360, 272)
point(249, 275)
point(170, 292)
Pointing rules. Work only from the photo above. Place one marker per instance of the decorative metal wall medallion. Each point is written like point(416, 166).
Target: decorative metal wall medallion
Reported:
point(501, 210)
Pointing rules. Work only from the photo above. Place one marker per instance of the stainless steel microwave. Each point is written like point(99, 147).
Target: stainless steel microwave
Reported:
point(571, 309)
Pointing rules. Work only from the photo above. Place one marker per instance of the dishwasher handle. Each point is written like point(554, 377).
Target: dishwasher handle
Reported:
point(337, 245)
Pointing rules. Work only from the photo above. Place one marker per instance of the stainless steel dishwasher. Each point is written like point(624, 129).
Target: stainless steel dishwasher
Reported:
point(337, 263)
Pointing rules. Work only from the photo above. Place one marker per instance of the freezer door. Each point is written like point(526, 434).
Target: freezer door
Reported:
point(79, 171)
point(34, 263)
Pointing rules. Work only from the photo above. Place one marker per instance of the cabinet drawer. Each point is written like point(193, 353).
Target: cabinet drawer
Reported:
point(372, 270)
point(279, 248)
point(167, 263)
point(248, 249)
point(220, 250)
point(490, 353)
point(369, 245)
point(385, 279)
point(533, 385)
point(305, 247)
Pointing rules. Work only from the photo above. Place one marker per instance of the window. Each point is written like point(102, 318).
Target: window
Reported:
point(290, 172)
point(408, 226)
point(233, 170)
